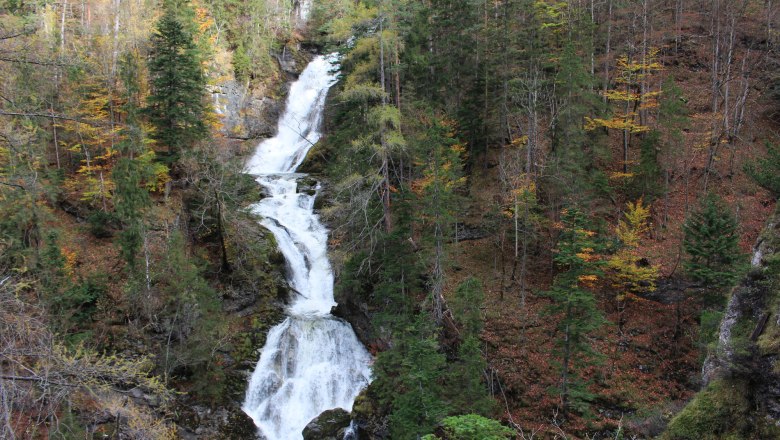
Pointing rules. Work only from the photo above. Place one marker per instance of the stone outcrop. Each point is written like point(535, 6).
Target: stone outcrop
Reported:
point(330, 425)
point(245, 113)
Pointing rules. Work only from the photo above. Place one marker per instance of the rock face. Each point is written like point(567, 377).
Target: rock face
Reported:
point(244, 113)
point(747, 338)
point(247, 112)
point(287, 62)
point(370, 422)
point(356, 313)
point(741, 376)
point(330, 425)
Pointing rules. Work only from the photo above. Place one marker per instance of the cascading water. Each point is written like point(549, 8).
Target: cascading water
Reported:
point(312, 361)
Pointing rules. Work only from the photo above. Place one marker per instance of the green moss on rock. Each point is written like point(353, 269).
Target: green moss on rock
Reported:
point(722, 411)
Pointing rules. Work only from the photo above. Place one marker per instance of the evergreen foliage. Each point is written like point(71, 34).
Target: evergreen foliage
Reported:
point(408, 377)
point(647, 174)
point(190, 320)
point(712, 243)
point(130, 199)
point(473, 427)
point(466, 305)
point(176, 105)
point(577, 261)
point(575, 153)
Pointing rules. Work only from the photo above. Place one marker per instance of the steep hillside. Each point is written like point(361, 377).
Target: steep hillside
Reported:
point(538, 212)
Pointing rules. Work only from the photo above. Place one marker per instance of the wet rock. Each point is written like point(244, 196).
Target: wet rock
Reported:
point(308, 185)
point(370, 422)
point(356, 313)
point(748, 346)
point(330, 425)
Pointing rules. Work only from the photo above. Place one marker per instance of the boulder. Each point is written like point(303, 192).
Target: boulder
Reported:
point(330, 425)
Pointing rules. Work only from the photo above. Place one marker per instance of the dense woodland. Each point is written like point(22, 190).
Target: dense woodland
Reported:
point(539, 210)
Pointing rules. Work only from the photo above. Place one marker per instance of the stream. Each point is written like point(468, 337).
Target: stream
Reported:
point(312, 361)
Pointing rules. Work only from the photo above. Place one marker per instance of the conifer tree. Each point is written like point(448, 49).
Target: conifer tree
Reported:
point(574, 152)
point(130, 196)
point(712, 243)
point(576, 305)
point(175, 106)
point(470, 393)
point(408, 380)
point(442, 175)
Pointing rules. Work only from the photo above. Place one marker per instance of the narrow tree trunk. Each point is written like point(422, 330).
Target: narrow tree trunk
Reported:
point(715, 90)
point(221, 233)
point(62, 27)
point(607, 48)
point(115, 51)
point(565, 365)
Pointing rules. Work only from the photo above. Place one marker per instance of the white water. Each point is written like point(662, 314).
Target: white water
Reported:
point(312, 361)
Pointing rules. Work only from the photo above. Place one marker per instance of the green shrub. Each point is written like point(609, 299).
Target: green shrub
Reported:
point(474, 427)
point(100, 224)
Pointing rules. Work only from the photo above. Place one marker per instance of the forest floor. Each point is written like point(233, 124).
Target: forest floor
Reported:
point(651, 362)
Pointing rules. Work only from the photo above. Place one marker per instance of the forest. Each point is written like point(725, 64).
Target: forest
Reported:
point(547, 219)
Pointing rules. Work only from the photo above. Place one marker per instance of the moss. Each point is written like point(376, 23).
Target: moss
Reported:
point(720, 411)
point(769, 341)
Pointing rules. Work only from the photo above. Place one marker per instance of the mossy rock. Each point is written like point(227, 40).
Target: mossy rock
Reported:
point(330, 425)
point(239, 425)
point(722, 411)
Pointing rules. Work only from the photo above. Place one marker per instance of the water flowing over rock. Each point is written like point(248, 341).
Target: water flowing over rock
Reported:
point(312, 361)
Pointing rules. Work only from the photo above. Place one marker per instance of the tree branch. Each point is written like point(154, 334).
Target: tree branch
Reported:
point(13, 185)
point(53, 116)
point(36, 62)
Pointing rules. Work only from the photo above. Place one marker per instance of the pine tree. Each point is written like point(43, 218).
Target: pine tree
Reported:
point(408, 379)
point(576, 305)
point(130, 196)
point(190, 318)
point(469, 297)
point(442, 176)
point(575, 153)
point(712, 243)
point(175, 106)
point(468, 390)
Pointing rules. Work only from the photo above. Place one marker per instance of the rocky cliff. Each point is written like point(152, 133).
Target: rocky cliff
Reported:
point(741, 375)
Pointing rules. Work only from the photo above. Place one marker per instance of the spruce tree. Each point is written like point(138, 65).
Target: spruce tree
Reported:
point(130, 196)
point(175, 106)
point(712, 243)
point(407, 379)
point(575, 303)
point(469, 392)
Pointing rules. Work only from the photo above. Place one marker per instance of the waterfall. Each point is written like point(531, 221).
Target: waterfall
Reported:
point(312, 361)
